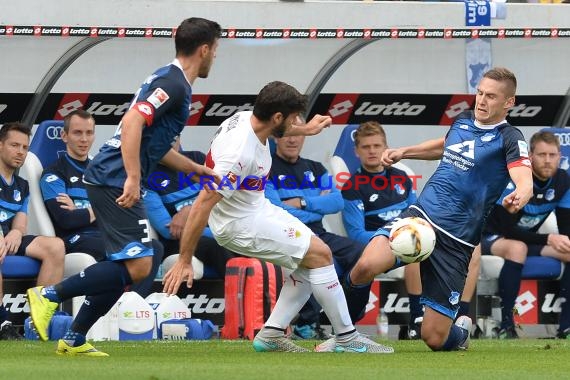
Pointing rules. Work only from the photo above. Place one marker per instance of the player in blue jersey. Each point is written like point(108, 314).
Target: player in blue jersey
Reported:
point(63, 190)
point(515, 236)
point(478, 155)
point(14, 198)
point(168, 205)
point(305, 189)
point(377, 200)
point(145, 136)
point(66, 198)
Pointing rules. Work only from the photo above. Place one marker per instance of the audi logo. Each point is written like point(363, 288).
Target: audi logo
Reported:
point(53, 132)
point(564, 138)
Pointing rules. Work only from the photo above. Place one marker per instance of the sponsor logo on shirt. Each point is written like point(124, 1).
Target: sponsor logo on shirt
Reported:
point(158, 98)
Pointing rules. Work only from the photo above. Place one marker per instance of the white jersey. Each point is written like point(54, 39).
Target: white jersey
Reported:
point(243, 162)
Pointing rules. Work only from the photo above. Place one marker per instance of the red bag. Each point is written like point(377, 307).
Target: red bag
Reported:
point(251, 290)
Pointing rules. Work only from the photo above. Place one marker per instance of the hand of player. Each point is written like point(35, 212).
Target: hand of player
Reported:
point(561, 243)
point(315, 125)
point(179, 272)
point(12, 241)
point(178, 222)
point(293, 202)
point(131, 193)
point(515, 201)
point(204, 174)
point(65, 201)
point(391, 156)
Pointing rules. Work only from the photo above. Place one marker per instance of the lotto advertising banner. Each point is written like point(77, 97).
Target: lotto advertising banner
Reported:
point(205, 299)
point(538, 302)
point(211, 110)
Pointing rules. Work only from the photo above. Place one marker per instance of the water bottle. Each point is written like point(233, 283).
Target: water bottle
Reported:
point(382, 324)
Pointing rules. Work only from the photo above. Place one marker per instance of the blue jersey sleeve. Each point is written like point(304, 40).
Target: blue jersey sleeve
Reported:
point(163, 94)
point(353, 220)
point(516, 148)
point(24, 208)
point(51, 185)
point(327, 203)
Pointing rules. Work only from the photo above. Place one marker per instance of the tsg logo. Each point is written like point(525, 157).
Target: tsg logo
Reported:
point(54, 132)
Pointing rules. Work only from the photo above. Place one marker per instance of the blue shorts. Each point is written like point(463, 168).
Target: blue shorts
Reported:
point(90, 243)
point(443, 272)
point(125, 231)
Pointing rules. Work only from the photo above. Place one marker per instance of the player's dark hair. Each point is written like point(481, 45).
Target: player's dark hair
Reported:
point(369, 128)
point(546, 137)
point(195, 32)
point(501, 74)
point(278, 97)
point(78, 112)
point(14, 126)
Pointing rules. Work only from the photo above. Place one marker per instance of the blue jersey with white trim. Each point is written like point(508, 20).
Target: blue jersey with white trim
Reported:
point(14, 198)
point(369, 206)
point(471, 176)
point(164, 101)
point(64, 176)
point(547, 197)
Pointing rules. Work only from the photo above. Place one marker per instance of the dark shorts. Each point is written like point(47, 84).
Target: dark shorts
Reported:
point(125, 231)
point(443, 272)
point(91, 244)
point(26, 241)
point(488, 240)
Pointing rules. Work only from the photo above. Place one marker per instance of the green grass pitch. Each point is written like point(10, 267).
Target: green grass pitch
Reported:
point(221, 359)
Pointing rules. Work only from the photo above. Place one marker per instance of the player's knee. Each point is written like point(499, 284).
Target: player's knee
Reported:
point(51, 250)
point(517, 251)
point(318, 255)
point(433, 339)
point(139, 269)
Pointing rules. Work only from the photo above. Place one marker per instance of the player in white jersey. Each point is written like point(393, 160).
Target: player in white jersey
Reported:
point(243, 221)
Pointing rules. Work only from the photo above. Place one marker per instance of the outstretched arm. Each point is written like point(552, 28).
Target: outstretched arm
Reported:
point(427, 150)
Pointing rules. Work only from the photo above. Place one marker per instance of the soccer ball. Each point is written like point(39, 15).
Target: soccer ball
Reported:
point(412, 239)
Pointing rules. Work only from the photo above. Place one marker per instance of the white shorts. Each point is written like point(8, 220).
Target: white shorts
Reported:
point(272, 235)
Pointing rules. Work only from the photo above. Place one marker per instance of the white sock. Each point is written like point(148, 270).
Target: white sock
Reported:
point(329, 294)
point(294, 294)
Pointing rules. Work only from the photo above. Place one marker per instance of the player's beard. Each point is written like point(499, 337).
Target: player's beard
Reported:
point(279, 131)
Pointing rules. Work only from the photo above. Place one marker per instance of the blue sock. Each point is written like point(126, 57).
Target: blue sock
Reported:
point(509, 284)
point(3, 313)
point(356, 298)
point(92, 309)
point(99, 278)
point(564, 319)
point(416, 309)
point(456, 336)
point(50, 293)
point(74, 339)
point(463, 309)
point(144, 287)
